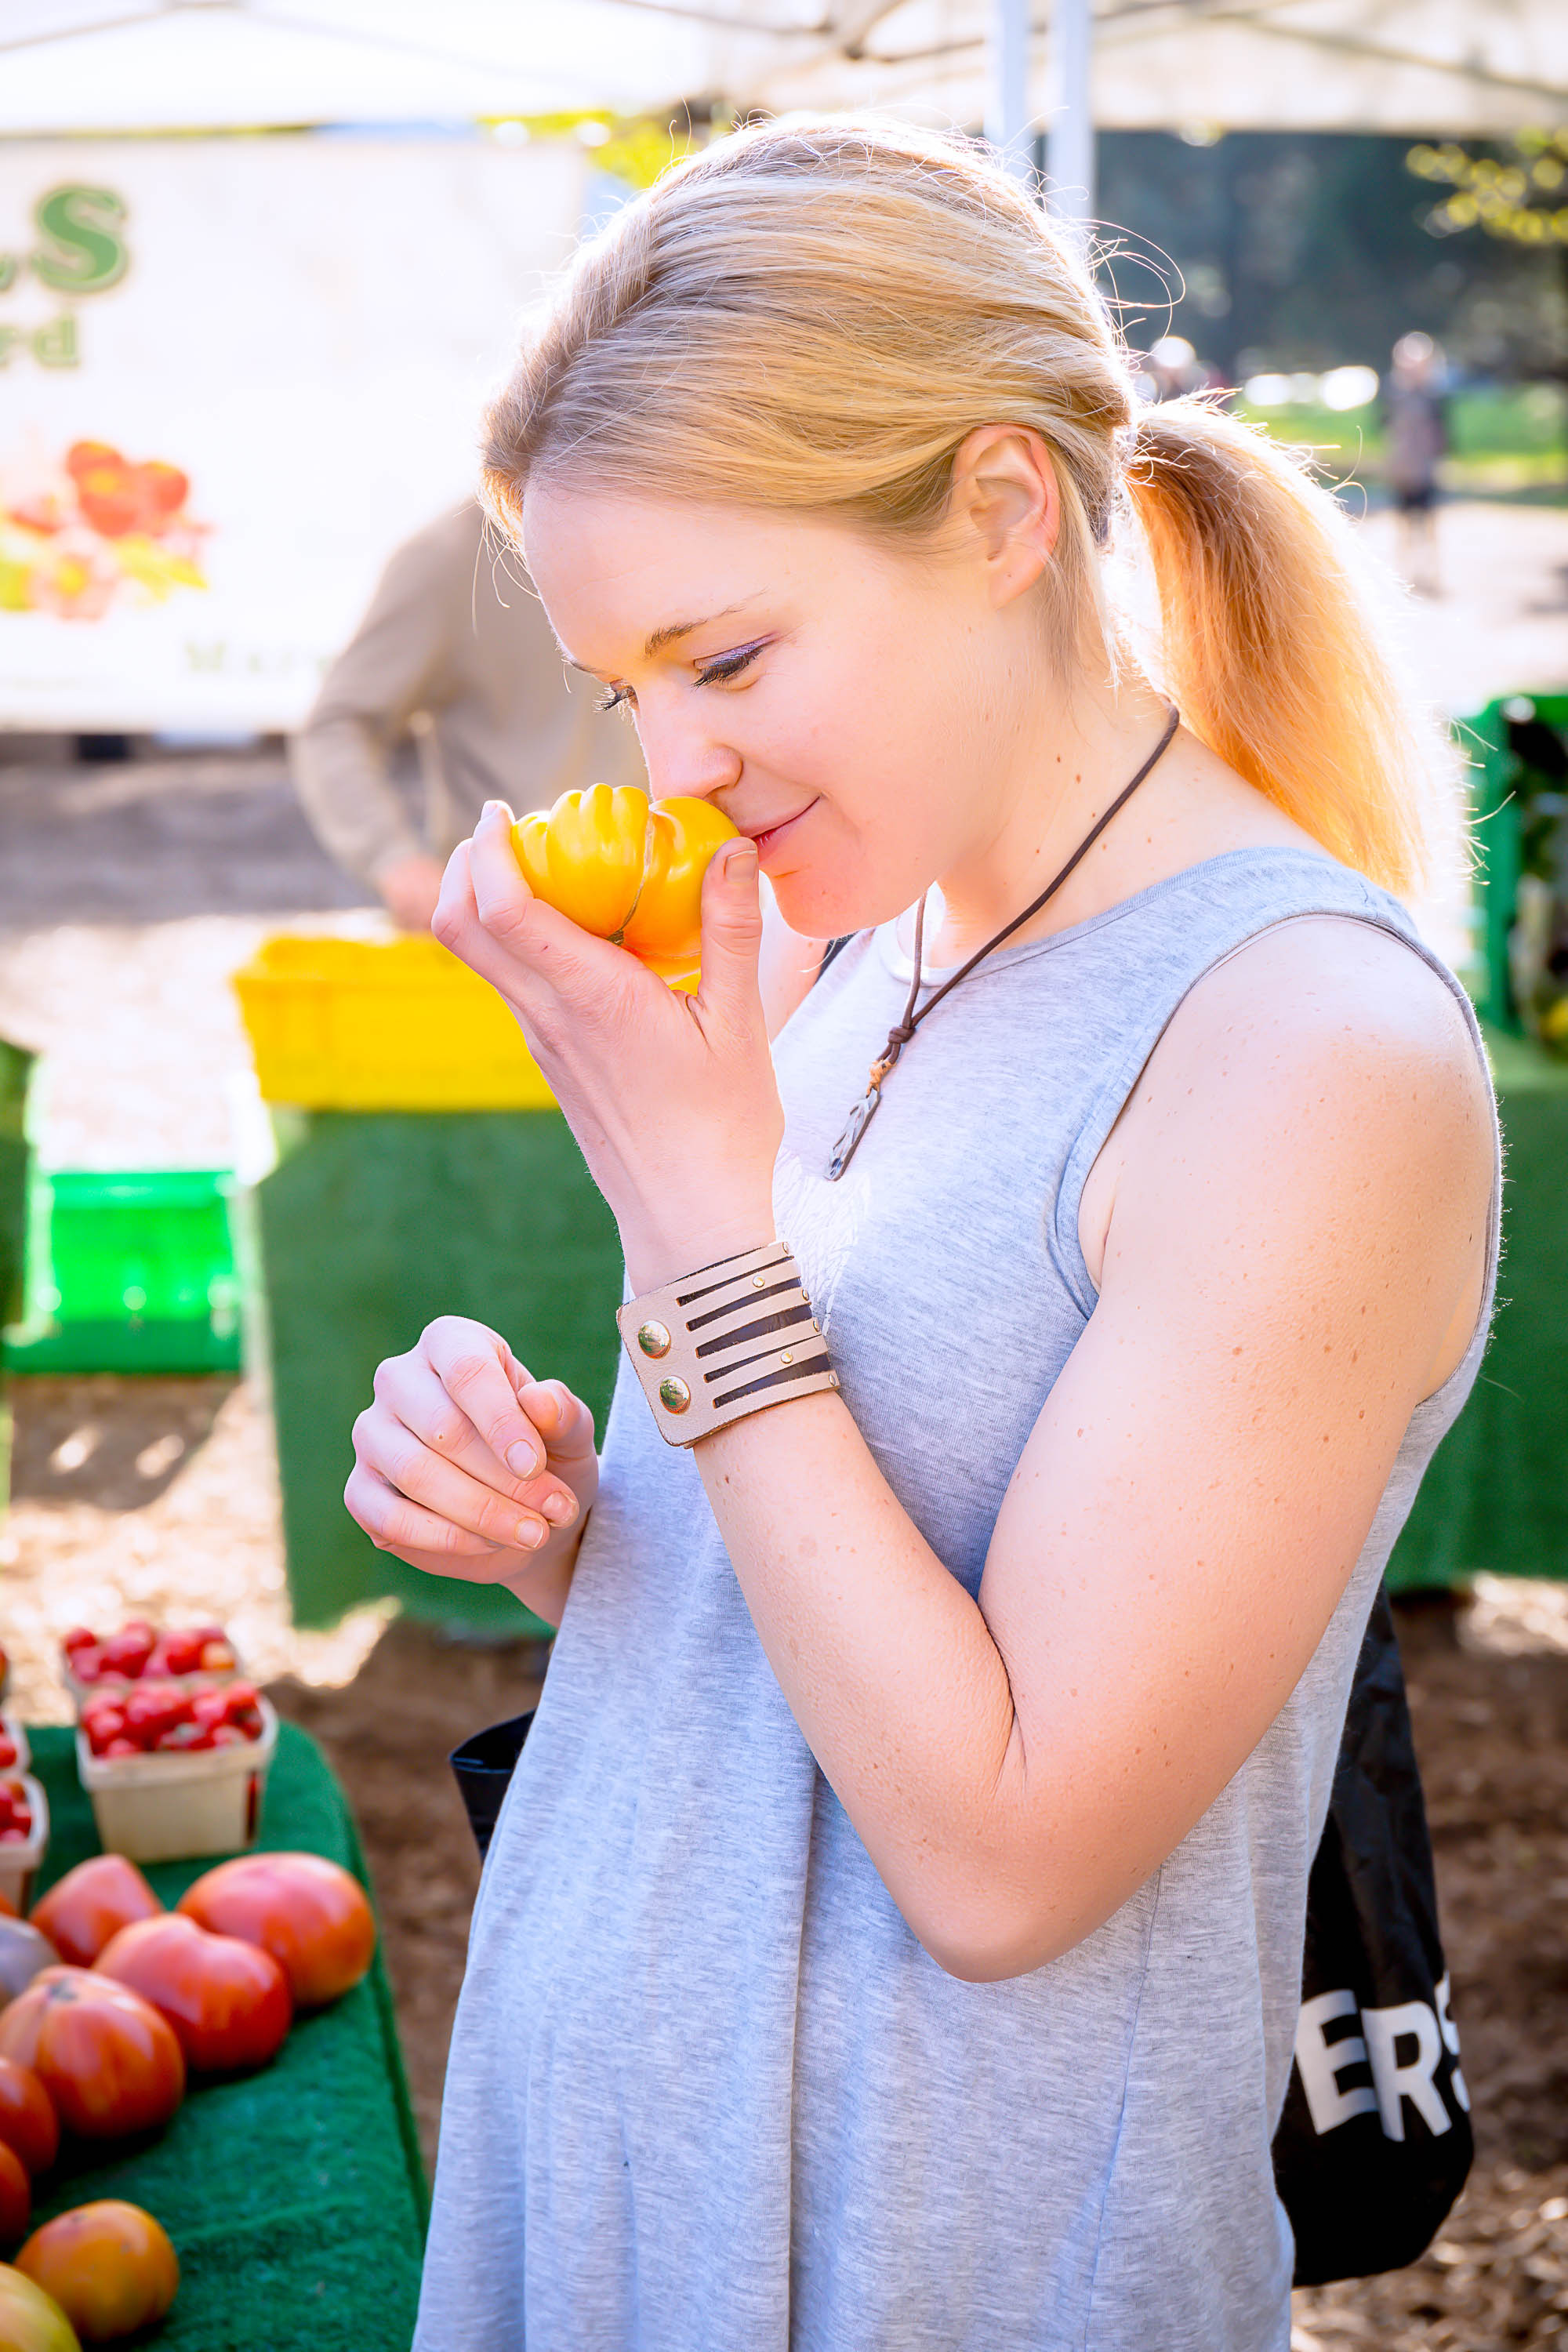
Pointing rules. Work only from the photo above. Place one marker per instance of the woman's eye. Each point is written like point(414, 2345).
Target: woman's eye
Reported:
point(617, 698)
point(727, 665)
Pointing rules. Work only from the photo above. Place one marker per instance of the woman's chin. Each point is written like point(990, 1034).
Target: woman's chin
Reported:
point(813, 913)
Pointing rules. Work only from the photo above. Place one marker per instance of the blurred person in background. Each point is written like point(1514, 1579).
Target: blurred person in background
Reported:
point(1175, 368)
point(1417, 439)
point(456, 651)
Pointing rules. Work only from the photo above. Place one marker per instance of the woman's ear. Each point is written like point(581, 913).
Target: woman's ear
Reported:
point(1004, 506)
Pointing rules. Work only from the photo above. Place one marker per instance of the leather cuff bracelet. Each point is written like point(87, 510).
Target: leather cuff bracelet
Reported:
point(724, 1341)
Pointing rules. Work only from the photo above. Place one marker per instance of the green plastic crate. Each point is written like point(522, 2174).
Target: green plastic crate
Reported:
point(1497, 840)
point(129, 1271)
point(15, 1073)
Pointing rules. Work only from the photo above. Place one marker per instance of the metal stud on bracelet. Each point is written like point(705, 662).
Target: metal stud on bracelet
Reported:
point(715, 1338)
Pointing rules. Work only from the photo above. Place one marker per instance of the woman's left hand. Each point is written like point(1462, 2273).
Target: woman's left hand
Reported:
point(671, 1096)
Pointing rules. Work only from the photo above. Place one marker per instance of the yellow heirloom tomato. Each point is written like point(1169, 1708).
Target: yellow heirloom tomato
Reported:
point(626, 871)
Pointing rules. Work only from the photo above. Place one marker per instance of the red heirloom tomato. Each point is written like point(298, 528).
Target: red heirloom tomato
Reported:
point(30, 2320)
point(29, 2125)
point(111, 2064)
point(310, 1915)
point(109, 2266)
point(227, 2001)
point(91, 1903)
point(15, 2198)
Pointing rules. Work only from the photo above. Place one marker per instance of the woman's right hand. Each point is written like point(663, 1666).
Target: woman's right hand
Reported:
point(466, 1466)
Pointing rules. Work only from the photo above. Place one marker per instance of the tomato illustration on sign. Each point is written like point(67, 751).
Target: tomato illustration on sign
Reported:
point(626, 870)
point(117, 496)
point(94, 528)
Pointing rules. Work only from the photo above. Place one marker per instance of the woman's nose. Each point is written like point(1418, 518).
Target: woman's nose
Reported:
point(683, 760)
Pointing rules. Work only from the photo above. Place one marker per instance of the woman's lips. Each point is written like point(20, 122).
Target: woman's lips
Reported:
point(773, 837)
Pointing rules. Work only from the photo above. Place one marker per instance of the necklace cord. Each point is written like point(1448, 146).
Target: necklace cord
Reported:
point(899, 1037)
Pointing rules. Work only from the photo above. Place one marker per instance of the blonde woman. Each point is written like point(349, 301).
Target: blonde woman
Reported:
point(891, 1941)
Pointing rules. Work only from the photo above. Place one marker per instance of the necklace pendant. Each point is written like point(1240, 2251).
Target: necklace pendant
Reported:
point(859, 1119)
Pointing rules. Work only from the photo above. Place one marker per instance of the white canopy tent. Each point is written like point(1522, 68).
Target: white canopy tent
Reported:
point(1460, 66)
point(297, 333)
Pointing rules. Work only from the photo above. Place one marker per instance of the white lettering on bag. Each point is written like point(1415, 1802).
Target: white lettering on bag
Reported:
point(1383, 2029)
point(1322, 2061)
point(1460, 2088)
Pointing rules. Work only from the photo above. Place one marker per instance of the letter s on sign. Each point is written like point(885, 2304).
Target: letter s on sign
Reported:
point(80, 250)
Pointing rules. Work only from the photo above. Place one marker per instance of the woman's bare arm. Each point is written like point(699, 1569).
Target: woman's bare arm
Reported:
point(1298, 1223)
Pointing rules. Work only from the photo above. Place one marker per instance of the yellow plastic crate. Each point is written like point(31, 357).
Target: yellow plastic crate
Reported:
point(358, 1024)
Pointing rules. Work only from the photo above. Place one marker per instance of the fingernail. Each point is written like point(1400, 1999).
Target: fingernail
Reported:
point(559, 1509)
point(530, 1533)
point(522, 1460)
point(742, 870)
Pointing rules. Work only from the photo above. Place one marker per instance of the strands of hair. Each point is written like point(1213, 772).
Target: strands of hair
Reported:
point(816, 314)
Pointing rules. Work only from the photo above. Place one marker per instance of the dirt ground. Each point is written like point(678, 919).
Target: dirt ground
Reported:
point(158, 1495)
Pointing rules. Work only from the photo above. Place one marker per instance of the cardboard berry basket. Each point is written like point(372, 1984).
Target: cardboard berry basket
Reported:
point(179, 1805)
point(19, 1862)
point(11, 1727)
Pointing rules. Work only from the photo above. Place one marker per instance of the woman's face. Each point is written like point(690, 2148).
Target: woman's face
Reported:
point(851, 705)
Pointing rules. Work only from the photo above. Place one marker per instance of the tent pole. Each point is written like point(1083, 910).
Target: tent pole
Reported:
point(1069, 142)
point(1008, 114)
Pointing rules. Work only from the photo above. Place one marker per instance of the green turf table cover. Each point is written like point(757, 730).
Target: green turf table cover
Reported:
point(374, 1224)
point(295, 2197)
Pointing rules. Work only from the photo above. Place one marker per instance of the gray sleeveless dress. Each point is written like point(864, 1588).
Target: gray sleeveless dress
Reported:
point(707, 2093)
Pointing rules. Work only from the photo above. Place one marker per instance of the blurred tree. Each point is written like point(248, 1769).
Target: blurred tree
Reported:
point(1520, 193)
point(1516, 194)
point(1304, 250)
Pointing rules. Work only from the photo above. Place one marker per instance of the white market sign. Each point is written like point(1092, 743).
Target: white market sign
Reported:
point(234, 373)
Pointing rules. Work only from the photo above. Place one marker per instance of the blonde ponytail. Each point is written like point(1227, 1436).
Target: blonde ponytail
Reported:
point(816, 315)
point(1272, 640)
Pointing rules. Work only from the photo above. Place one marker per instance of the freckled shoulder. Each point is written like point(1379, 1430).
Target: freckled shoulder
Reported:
point(1322, 1010)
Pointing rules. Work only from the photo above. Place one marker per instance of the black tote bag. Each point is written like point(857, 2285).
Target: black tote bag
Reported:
point(1374, 2142)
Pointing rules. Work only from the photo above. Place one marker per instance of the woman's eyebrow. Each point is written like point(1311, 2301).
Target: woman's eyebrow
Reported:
point(660, 637)
point(685, 629)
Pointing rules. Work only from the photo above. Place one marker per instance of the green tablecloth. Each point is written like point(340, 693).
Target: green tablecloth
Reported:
point(1495, 1497)
point(294, 2197)
point(371, 1225)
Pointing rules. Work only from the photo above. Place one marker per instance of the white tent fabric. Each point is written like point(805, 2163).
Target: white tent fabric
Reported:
point(1463, 67)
